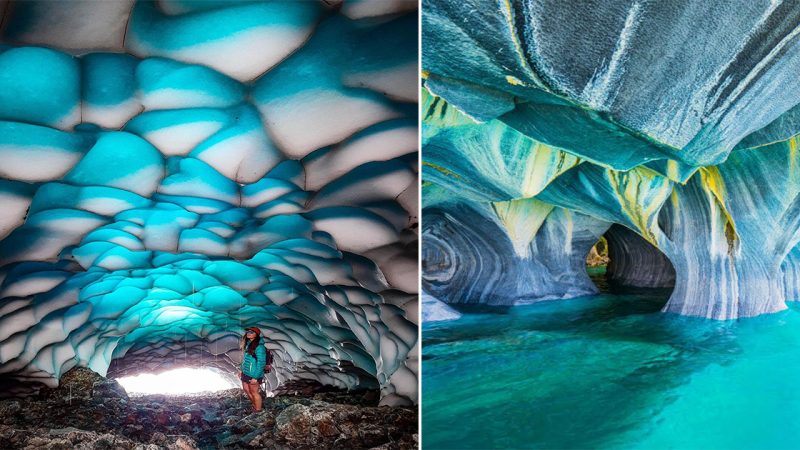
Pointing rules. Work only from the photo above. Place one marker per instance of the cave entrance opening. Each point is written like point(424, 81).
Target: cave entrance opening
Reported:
point(597, 264)
point(185, 380)
point(623, 262)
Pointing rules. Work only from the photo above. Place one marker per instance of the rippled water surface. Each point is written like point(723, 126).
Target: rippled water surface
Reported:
point(611, 371)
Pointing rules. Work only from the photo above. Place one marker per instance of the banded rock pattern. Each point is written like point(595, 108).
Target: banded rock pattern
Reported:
point(648, 116)
point(469, 258)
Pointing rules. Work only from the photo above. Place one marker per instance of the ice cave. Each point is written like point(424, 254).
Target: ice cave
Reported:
point(174, 170)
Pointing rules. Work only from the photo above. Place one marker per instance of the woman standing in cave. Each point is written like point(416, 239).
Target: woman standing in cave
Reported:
point(254, 360)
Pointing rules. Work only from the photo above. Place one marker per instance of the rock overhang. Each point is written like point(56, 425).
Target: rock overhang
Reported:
point(691, 146)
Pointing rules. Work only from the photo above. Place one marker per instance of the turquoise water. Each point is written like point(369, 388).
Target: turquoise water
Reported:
point(610, 371)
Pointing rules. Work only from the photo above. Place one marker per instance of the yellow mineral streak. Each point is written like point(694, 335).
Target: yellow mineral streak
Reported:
point(545, 165)
point(640, 193)
point(522, 219)
point(713, 181)
point(514, 80)
point(508, 13)
point(672, 170)
point(714, 184)
point(437, 113)
point(535, 165)
point(676, 202)
point(441, 169)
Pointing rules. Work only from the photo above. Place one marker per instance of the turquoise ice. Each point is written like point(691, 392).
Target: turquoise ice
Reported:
point(174, 171)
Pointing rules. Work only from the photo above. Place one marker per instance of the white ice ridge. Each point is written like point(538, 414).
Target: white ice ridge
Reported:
point(172, 188)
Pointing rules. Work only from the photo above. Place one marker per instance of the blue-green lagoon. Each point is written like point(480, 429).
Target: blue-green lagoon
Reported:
point(610, 371)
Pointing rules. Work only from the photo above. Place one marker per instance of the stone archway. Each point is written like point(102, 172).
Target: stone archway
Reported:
point(634, 262)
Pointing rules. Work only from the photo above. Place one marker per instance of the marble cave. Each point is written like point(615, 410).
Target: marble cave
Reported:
point(610, 224)
point(546, 130)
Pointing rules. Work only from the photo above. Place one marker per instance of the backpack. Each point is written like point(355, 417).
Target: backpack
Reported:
point(269, 361)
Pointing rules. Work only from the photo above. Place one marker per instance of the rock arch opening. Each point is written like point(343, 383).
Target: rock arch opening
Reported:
point(471, 256)
point(622, 259)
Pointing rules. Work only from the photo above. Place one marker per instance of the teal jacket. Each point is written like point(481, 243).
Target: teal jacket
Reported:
point(254, 367)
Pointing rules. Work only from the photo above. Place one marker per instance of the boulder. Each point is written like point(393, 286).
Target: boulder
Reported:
point(108, 389)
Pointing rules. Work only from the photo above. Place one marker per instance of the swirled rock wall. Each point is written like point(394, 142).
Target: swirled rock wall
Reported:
point(470, 254)
point(649, 116)
point(791, 275)
point(173, 171)
point(725, 235)
point(715, 85)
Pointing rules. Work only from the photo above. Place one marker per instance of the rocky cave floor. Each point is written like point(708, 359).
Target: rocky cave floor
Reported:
point(89, 411)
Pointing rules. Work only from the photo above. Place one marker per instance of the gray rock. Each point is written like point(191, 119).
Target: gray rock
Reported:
point(468, 256)
point(435, 310)
point(108, 389)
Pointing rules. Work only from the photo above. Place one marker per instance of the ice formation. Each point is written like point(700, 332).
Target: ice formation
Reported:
point(173, 171)
point(651, 116)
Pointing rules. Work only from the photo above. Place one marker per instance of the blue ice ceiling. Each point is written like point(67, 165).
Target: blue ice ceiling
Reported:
point(175, 170)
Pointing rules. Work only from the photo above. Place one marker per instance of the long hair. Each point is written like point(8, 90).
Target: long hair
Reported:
point(253, 344)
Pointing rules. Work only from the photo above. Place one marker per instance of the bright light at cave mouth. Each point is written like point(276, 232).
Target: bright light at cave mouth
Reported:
point(177, 381)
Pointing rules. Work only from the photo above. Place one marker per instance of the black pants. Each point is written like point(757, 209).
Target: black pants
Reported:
point(247, 379)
